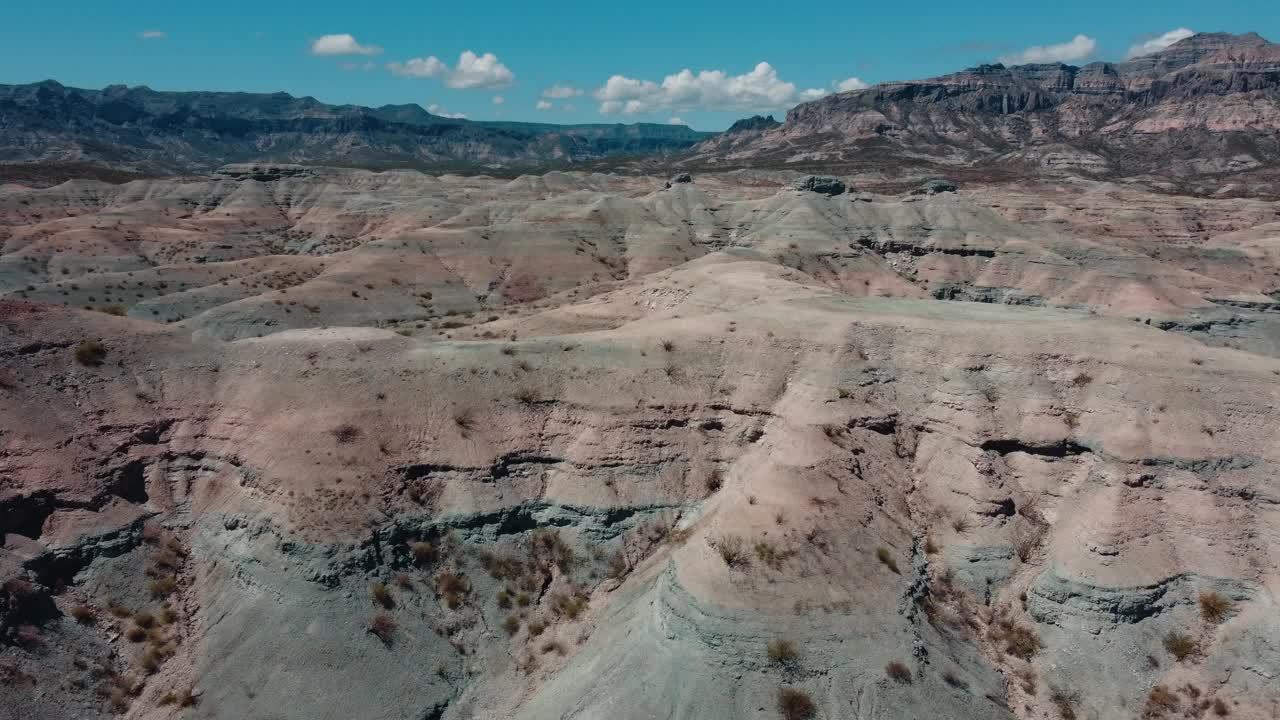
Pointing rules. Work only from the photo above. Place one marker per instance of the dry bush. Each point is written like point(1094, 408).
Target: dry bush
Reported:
point(90, 353)
point(930, 547)
point(714, 480)
point(1027, 538)
point(960, 524)
point(668, 346)
point(546, 547)
point(1016, 640)
point(1220, 707)
point(345, 433)
point(1161, 700)
point(886, 558)
point(383, 627)
point(898, 672)
point(453, 587)
point(1180, 645)
point(1065, 702)
point(381, 595)
point(162, 587)
point(732, 550)
point(511, 625)
point(424, 554)
point(783, 652)
point(527, 396)
point(1214, 608)
point(84, 614)
point(403, 581)
point(553, 646)
point(770, 555)
point(569, 604)
point(536, 628)
point(795, 704)
point(465, 419)
point(504, 599)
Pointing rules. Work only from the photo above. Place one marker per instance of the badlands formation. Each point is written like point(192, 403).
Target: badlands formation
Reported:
point(297, 442)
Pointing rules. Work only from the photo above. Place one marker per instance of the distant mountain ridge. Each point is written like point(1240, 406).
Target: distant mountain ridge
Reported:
point(1209, 104)
point(140, 129)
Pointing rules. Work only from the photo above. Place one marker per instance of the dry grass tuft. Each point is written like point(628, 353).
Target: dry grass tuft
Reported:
point(383, 627)
point(886, 558)
point(90, 353)
point(795, 704)
point(1180, 645)
point(783, 652)
point(1214, 608)
point(732, 550)
point(898, 672)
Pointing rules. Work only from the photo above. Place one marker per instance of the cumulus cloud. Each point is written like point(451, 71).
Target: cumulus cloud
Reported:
point(1157, 44)
point(341, 44)
point(437, 110)
point(675, 120)
point(560, 92)
point(543, 105)
point(498, 99)
point(851, 84)
point(472, 71)
point(760, 89)
point(153, 35)
point(1077, 48)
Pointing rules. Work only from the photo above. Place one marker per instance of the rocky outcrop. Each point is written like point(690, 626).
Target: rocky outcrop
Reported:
point(821, 184)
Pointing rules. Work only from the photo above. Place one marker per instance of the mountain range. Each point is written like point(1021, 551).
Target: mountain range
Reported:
point(143, 130)
point(1201, 109)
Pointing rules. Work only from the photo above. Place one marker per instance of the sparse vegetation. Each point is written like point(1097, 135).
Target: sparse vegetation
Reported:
point(381, 595)
point(1220, 707)
point(511, 625)
point(1161, 700)
point(1065, 702)
point(346, 433)
point(795, 704)
point(783, 652)
point(771, 555)
point(383, 626)
point(90, 353)
point(886, 558)
point(1214, 608)
point(1016, 640)
point(668, 346)
point(424, 554)
point(714, 480)
point(453, 587)
point(732, 550)
point(84, 614)
point(1180, 645)
point(898, 672)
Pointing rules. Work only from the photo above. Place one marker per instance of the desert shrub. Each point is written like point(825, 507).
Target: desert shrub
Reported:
point(1065, 702)
point(383, 627)
point(168, 615)
point(930, 547)
point(381, 595)
point(144, 619)
point(886, 558)
point(950, 678)
point(1214, 608)
point(1017, 640)
point(732, 550)
point(1160, 701)
point(135, 634)
point(668, 346)
point(402, 581)
point(1180, 645)
point(27, 636)
point(553, 646)
point(523, 599)
point(546, 546)
point(452, 586)
point(960, 524)
point(783, 652)
point(527, 396)
point(898, 672)
point(770, 555)
point(795, 704)
point(1220, 707)
point(504, 599)
point(465, 419)
point(424, 554)
point(569, 604)
point(714, 480)
point(511, 625)
point(1026, 540)
point(84, 614)
point(162, 587)
point(536, 628)
point(346, 433)
point(90, 353)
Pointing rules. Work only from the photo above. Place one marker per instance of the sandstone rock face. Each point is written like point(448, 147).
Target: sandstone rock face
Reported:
point(335, 444)
point(1208, 97)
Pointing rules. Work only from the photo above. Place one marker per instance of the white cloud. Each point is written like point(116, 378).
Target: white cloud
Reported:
point(341, 44)
point(153, 35)
point(498, 99)
point(1157, 44)
point(560, 92)
point(435, 109)
point(1078, 48)
point(543, 105)
point(472, 71)
point(568, 107)
point(851, 84)
point(675, 120)
point(760, 89)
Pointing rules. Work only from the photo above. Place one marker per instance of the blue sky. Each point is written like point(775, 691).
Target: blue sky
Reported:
point(269, 46)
